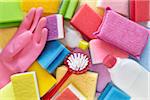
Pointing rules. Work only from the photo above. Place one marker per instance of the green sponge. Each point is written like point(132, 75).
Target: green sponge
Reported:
point(64, 7)
point(71, 9)
point(11, 14)
point(68, 8)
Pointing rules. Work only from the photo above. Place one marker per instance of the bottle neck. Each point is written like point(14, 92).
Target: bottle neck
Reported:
point(116, 65)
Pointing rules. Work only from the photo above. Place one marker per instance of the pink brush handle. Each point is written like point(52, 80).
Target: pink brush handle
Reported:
point(50, 94)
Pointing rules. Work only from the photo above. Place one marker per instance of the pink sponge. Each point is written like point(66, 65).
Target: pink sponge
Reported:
point(123, 33)
point(99, 49)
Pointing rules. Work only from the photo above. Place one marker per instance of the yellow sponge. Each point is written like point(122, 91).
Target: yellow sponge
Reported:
point(6, 93)
point(5, 36)
point(25, 86)
point(49, 6)
point(45, 80)
point(83, 45)
point(85, 83)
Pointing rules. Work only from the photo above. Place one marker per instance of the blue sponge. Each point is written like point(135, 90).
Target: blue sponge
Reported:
point(112, 92)
point(53, 55)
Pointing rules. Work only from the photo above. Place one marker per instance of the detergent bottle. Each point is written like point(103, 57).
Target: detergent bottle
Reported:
point(129, 76)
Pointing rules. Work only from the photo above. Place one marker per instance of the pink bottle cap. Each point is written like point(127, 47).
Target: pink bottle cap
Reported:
point(109, 61)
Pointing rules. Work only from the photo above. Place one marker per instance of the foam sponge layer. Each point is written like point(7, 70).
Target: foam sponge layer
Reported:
point(25, 86)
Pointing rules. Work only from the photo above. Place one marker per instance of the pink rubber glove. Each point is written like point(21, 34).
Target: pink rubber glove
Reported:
point(25, 47)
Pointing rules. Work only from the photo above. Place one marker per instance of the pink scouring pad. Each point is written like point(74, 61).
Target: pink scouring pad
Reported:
point(123, 33)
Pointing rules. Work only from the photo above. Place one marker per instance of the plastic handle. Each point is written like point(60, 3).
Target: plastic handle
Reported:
point(50, 94)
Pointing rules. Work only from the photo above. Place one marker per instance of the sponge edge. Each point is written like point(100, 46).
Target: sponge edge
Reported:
point(55, 26)
point(25, 86)
point(64, 7)
point(45, 80)
point(80, 82)
point(71, 9)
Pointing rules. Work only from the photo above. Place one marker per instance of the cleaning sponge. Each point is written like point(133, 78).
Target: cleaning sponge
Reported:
point(25, 86)
point(11, 14)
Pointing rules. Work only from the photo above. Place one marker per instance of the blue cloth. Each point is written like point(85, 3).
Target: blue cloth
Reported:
point(53, 55)
point(145, 57)
point(111, 92)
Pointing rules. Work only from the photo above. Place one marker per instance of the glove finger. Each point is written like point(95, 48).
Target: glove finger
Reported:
point(43, 37)
point(39, 28)
point(27, 22)
point(38, 14)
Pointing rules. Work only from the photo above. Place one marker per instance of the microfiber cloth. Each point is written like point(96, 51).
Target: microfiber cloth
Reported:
point(53, 55)
point(55, 27)
point(145, 57)
point(25, 86)
point(99, 49)
point(112, 92)
point(103, 78)
point(11, 13)
point(123, 33)
point(86, 21)
point(45, 80)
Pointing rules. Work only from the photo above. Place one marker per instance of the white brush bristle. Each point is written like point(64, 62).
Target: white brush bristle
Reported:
point(77, 61)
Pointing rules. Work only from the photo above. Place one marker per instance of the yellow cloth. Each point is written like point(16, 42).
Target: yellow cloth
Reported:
point(45, 80)
point(25, 86)
point(6, 93)
point(92, 4)
point(85, 83)
point(50, 6)
point(6, 35)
